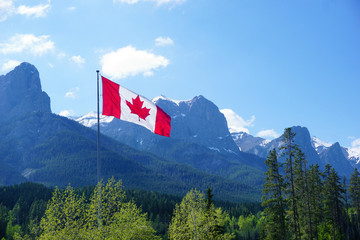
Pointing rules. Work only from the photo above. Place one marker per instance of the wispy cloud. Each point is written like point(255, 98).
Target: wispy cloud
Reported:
point(7, 9)
point(162, 41)
point(72, 93)
point(35, 11)
point(128, 61)
point(36, 45)
point(237, 123)
point(9, 65)
point(158, 2)
point(356, 143)
point(268, 134)
point(78, 60)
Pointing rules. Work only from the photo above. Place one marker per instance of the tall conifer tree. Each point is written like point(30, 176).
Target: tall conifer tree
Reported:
point(303, 195)
point(354, 192)
point(273, 200)
point(333, 202)
point(315, 198)
point(288, 151)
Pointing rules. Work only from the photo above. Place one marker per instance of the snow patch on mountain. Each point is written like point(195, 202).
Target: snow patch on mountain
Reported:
point(214, 149)
point(354, 154)
point(264, 142)
point(238, 136)
point(354, 151)
point(319, 145)
point(90, 119)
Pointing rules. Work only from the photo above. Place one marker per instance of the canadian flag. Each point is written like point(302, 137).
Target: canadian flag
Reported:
point(129, 106)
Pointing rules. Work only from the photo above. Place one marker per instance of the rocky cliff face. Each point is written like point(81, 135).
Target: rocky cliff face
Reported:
point(21, 93)
point(334, 156)
point(193, 121)
point(313, 148)
point(200, 121)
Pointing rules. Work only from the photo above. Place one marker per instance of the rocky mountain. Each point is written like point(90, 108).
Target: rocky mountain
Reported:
point(199, 138)
point(194, 121)
point(251, 144)
point(37, 145)
point(334, 155)
point(353, 155)
point(200, 121)
point(40, 146)
point(21, 93)
point(316, 150)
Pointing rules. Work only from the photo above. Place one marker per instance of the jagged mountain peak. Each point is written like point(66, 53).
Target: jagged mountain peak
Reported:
point(318, 142)
point(319, 145)
point(336, 146)
point(165, 100)
point(90, 119)
point(21, 92)
point(161, 98)
point(197, 120)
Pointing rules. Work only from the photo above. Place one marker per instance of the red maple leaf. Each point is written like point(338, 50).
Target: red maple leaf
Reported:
point(136, 108)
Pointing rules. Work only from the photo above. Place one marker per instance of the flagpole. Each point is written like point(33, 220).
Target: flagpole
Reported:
point(98, 152)
point(98, 130)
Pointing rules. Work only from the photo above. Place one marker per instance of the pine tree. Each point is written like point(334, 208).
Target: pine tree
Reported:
point(315, 198)
point(346, 223)
point(354, 192)
point(209, 200)
point(273, 200)
point(288, 151)
point(333, 202)
point(301, 184)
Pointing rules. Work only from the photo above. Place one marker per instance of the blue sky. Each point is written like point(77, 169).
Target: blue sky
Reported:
point(271, 64)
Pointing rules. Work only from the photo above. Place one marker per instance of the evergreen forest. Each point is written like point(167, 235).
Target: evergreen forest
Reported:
point(298, 202)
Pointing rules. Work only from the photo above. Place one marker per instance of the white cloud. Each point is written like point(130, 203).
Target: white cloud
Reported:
point(67, 113)
point(72, 8)
point(128, 61)
point(355, 143)
point(237, 123)
point(10, 65)
point(35, 11)
point(36, 45)
point(158, 2)
point(148, 74)
point(72, 93)
point(78, 60)
point(268, 134)
point(127, 1)
point(162, 41)
point(6, 9)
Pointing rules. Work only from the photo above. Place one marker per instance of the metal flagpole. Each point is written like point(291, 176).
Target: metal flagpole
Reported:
point(98, 153)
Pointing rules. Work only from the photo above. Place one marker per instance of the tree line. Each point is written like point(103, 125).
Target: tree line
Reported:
point(303, 202)
point(298, 202)
point(33, 211)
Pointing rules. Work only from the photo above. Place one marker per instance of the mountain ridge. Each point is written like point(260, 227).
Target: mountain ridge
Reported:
point(316, 150)
point(40, 146)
